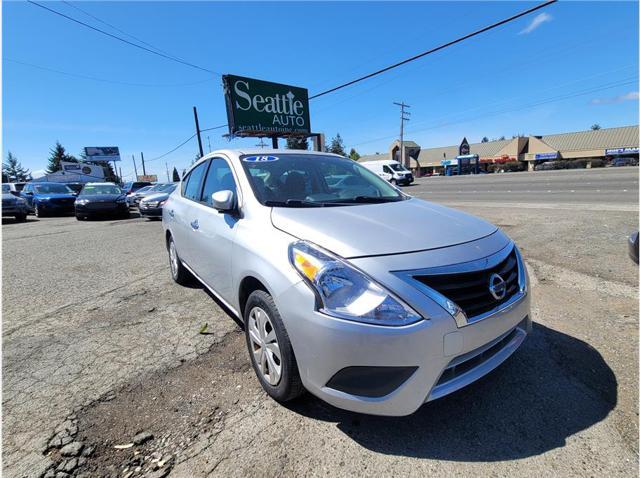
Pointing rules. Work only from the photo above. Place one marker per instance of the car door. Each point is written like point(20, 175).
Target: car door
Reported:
point(215, 230)
point(181, 212)
point(27, 194)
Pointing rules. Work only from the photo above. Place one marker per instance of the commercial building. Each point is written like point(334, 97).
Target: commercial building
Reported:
point(602, 144)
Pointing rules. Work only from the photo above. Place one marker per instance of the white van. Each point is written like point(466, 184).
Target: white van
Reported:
point(390, 170)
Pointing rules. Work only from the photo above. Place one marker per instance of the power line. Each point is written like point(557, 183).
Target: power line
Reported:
point(168, 57)
point(114, 27)
point(183, 143)
point(433, 50)
point(103, 80)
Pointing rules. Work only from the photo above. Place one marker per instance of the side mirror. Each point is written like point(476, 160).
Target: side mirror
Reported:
point(223, 201)
point(29, 193)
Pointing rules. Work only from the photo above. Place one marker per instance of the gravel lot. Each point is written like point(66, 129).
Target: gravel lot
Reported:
point(100, 345)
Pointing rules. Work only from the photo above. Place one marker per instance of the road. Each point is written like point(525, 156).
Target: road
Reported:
point(613, 186)
point(99, 344)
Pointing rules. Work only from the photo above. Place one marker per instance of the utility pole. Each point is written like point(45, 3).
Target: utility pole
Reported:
point(120, 174)
point(144, 171)
point(167, 168)
point(135, 168)
point(261, 144)
point(209, 142)
point(403, 118)
point(195, 116)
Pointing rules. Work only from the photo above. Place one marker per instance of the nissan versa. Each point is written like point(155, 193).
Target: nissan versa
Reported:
point(373, 300)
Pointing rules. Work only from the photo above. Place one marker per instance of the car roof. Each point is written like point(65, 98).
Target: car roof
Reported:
point(98, 184)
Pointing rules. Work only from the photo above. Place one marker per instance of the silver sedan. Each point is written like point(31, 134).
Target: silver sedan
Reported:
point(370, 299)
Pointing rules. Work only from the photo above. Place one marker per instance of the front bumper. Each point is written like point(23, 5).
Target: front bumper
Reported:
point(98, 209)
point(56, 208)
point(149, 211)
point(14, 209)
point(436, 356)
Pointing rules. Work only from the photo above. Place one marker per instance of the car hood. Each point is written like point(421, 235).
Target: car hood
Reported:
point(54, 195)
point(155, 197)
point(381, 229)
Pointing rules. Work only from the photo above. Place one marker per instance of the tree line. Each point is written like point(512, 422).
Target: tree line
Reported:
point(335, 146)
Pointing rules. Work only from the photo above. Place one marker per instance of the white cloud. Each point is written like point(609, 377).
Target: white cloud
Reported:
point(536, 22)
point(631, 96)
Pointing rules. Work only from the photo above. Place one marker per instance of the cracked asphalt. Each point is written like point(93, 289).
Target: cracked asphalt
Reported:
point(95, 334)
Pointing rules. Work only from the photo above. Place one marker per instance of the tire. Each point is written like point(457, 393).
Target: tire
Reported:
point(178, 272)
point(37, 211)
point(264, 329)
point(80, 217)
point(21, 217)
point(125, 215)
point(393, 182)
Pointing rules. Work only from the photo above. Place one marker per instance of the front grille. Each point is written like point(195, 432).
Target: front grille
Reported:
point(470, 290)
point(8, 203)
point(63, 201)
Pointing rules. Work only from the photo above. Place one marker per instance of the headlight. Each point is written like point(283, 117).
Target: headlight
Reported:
point(161, 203)
point(21, 200)
point(345, 292)
point(121, 199)
point(82, 202)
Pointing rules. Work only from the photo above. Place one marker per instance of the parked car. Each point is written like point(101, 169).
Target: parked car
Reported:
point(151, 206)
point(390, 170)
point(388, 301)
point(13, 205)
point(13, 188)
point(156, 188)
point(546, 166)
point(633, 246)
point(624, 161)
point(100, 200)
point(45, 198)
point(131, 197)
point(129, 188)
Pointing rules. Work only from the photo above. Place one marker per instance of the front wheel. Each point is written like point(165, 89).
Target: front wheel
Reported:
point(393, 182)
point(270, 349)
point(37, 211)
point(21, 217)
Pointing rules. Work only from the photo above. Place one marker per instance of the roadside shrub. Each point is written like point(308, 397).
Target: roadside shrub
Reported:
point(514, 166)
point(598, 163)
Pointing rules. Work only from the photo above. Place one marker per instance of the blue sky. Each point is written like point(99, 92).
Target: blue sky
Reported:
point(560, 69)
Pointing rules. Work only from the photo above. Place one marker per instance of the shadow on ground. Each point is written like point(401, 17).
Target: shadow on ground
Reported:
point(552, 388)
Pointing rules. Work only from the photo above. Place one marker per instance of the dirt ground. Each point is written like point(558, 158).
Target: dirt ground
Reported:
point(103, 362)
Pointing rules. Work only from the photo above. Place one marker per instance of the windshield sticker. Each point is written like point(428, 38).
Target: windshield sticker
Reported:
point(260, 159)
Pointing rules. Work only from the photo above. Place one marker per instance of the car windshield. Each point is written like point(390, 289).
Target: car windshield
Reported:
point(94, 190)
point(296, 180)
point(52, 189)
point(397, 167)
point(6, 188)
point(144, 189)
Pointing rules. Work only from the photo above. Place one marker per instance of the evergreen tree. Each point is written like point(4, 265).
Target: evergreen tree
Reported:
point(485, 140)
point(57, 154)
point(353, 154)
point(596, 127)
point(297, 143)
point(13, 170)
point(176, 176)
point(337, 145)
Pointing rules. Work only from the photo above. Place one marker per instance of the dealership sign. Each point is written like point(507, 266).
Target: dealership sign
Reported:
point(102, 153)
point(613, 151)
point(81, 172)
point(262, 108)
point(553, 155)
